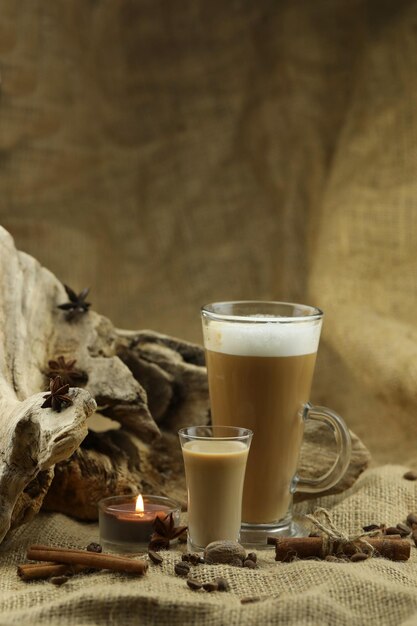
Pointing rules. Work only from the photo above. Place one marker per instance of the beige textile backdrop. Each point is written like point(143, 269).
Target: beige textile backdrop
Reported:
point(173, 152)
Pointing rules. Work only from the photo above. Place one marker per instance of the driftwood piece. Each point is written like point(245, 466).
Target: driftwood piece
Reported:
point(146, 383)
point(32, 439)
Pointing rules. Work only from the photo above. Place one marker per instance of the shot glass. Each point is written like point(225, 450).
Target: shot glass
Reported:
point(215, 462)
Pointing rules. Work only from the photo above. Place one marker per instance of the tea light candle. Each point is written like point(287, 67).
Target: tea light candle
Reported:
point(126, 522)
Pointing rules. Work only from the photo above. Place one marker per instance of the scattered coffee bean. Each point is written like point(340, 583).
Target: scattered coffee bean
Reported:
point(249, 600)
point(94, 547)
point(411, 475)
point(403, 529)
point(193, 584)
point(59, 580)
point(222, 584)
point(249, 563)
point(182, 568)
point(192, 557)
point(252, 556)
point(412, 519)
point(370, 527)
point(414, 536)
point(359, 556)
point(391, 530)
point(155, 557)
point(211, 587)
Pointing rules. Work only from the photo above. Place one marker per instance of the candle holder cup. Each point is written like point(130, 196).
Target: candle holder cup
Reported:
point(124, 529)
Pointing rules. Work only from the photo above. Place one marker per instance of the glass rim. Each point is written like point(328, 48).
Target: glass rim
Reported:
point(243, 434)
point(208, 312)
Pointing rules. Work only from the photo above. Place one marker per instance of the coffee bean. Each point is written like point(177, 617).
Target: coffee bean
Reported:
point(252, 556)
point(411, 475)
point(94, 547)
point(370, 527)
point(59, 580)
point(182, 568)
point(359, 556)
point(155, 557)
point(193, 584)
point(211, 587)
point(222, 584)
point(403, 529)
point(195, 558)
point(412, 519)
point(249, 600)
point(249, 563)
point(192, 557)
point(391, 530)
point(414, 536)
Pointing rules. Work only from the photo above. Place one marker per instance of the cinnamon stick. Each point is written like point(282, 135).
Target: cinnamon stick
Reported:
point(39, 571)
point(288, 548)
point(87, 559)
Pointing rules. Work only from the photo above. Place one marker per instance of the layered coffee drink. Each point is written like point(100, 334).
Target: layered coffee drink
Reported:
point(260, 374)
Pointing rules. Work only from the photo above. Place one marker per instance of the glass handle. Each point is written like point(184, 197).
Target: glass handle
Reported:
point(344, 449)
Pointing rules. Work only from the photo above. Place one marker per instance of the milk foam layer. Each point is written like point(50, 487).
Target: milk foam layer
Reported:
point(262, 339)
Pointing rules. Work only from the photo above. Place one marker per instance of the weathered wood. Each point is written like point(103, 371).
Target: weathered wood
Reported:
point(32, 439)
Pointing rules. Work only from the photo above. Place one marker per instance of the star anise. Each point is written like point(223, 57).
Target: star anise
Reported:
point(65, 369)
point(164, 532)
point(57, 397)
point(76, 305)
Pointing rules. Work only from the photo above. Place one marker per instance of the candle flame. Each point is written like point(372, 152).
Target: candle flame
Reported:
point(140, 507)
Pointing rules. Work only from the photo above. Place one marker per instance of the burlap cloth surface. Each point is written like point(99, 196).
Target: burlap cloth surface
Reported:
point(377, 591)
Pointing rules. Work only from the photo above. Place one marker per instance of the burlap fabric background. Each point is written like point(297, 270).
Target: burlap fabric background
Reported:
point(375, 593)
point(172, 153)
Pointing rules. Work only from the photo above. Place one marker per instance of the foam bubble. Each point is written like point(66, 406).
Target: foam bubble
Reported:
point(262, 338)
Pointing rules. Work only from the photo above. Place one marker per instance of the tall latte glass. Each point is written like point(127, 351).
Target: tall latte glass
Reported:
point(260, 361)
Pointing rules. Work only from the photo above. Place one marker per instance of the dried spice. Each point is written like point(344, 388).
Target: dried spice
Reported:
point(230, 552)
point(77, 305)
point(94, 547)
point(164, 532)
point(193, 584)
point(222, 584)
point(67, 371)
point(57, 397)
point(403, 529)
point(412, 520)
point(192, 557)
point(359, 556)
point(182, 568)
point(59, 580)
point(410, 475)
point(155, 557)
